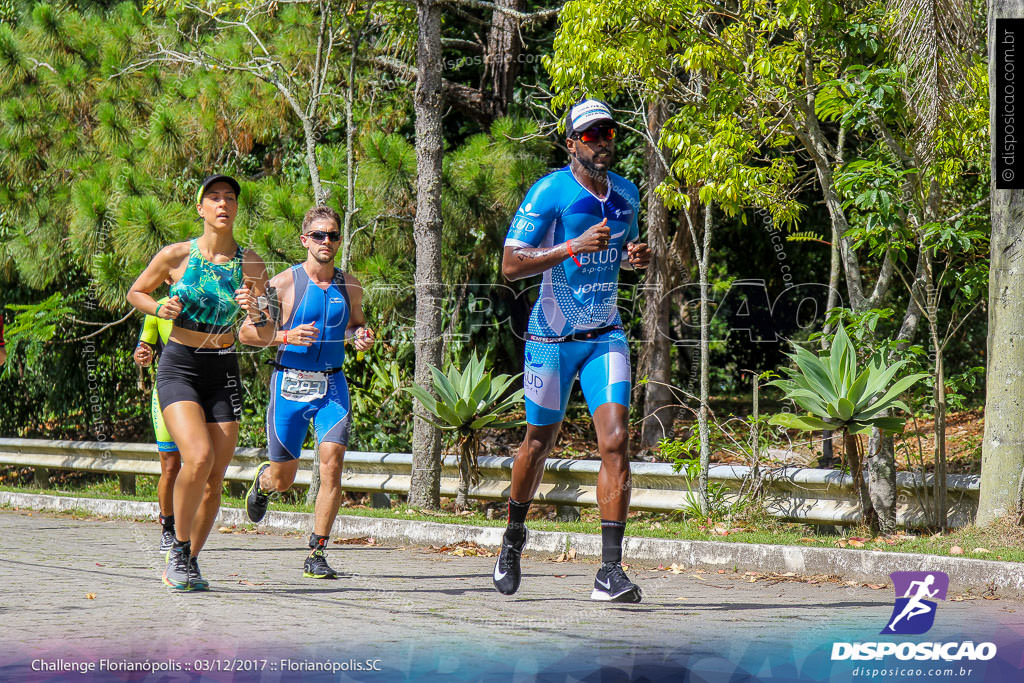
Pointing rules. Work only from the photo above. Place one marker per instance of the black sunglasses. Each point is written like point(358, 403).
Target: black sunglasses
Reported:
point(321, 236)
point(596, 133)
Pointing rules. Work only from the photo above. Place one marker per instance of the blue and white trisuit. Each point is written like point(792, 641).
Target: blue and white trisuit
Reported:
point(577, 303)
point(307, 383)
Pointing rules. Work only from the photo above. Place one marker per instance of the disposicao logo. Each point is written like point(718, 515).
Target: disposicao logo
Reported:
point(913, 613)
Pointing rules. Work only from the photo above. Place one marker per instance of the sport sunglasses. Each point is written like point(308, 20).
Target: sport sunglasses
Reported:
point(321, 236)
point(596, 133)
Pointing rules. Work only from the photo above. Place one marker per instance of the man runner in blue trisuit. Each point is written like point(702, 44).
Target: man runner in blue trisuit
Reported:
point(576, 226)
point(316, 307)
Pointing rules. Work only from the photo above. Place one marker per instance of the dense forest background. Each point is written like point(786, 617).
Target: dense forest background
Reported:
point(846, 158)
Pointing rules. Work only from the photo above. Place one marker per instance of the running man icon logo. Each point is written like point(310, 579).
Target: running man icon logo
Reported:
point(914, 610)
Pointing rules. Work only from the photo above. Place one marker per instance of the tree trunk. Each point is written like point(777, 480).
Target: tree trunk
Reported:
point(310, 135)
point(465, 474)
point(881, 462)
point(705, 362)
point(655, 356)
point(1002, 451)
point(939, 483)
point(501, 62)
point(425, 486)
point(350, 160)
point(853, 459)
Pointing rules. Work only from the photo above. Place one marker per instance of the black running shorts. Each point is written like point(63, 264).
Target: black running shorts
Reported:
point(208, 377)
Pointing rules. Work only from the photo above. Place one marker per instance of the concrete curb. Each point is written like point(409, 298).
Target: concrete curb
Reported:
point(965, 575)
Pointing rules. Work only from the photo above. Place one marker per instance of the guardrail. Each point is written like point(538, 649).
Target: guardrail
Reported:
point(791, 493)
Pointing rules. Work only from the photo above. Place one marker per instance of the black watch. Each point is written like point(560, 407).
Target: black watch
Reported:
point(264, 319)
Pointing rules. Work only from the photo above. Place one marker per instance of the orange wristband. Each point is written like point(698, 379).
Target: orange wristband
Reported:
point(568, 244)
point(284, 340)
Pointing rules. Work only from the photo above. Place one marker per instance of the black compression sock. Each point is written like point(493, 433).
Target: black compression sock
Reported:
point(611, 540)
point(183, 546)
point(167, 523)
point(516, 529)
point(316, 541)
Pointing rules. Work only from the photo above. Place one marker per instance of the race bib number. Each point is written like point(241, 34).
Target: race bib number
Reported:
point(303, 385)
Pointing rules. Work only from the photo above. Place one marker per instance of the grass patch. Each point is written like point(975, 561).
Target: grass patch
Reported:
point(1002, 540)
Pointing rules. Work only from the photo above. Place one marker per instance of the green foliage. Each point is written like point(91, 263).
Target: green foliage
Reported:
point(685, 457)
point(838, 395)
point(469, 399)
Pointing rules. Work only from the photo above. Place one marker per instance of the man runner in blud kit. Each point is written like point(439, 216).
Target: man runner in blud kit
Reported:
point(576, 226)
point(316, 307)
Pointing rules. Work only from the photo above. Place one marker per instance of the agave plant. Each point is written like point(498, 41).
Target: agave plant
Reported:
point(468, 400)
point(839, 396)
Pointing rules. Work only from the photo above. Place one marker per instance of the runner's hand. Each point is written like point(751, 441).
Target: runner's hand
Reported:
point(593, 240)
point(246, 298)
point(143, 355)
point(171, 308)
point(639, 255)
point(363, 338)
point(303, 335)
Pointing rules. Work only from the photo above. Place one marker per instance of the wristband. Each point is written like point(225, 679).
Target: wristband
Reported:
point(157, 311)
point(568, 244)
point(284, 340)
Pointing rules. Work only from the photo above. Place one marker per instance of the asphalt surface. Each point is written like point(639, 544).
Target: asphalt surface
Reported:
point(86, 589)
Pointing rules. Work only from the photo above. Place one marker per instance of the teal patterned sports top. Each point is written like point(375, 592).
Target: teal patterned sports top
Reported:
point(207, 292)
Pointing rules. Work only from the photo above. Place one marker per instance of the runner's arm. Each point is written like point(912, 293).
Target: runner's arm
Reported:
point(519, 261)
point(158, 270)
point(363, 336)
point(259, 328)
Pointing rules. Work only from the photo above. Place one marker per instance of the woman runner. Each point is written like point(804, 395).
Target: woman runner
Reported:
point(197, 381)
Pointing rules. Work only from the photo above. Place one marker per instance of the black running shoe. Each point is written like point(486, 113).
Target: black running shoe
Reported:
point(196, 582)
point(256, 501)
point(166, 540)
point(316, 566)
point(612, 585)
point(176, 575)
point(507, 573)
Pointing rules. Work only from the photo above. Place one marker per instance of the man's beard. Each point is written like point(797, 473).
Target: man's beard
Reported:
point(591, 168)
point(323, 261)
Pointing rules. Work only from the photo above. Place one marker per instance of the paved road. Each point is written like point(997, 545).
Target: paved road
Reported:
point(77, 590)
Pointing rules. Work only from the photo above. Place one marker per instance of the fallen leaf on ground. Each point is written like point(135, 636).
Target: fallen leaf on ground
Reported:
point(464, 549)
point(359, 540)
point(572, 553)
point(956, 550)
point(875, 586)
point(981, 551)
point(854, 543)
point(90, 596)
point(808, 540)
point(680, 598)
point(675, 569)
point(225, 529)
point(561, 576)
point(721, 571)
point(841, 543)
